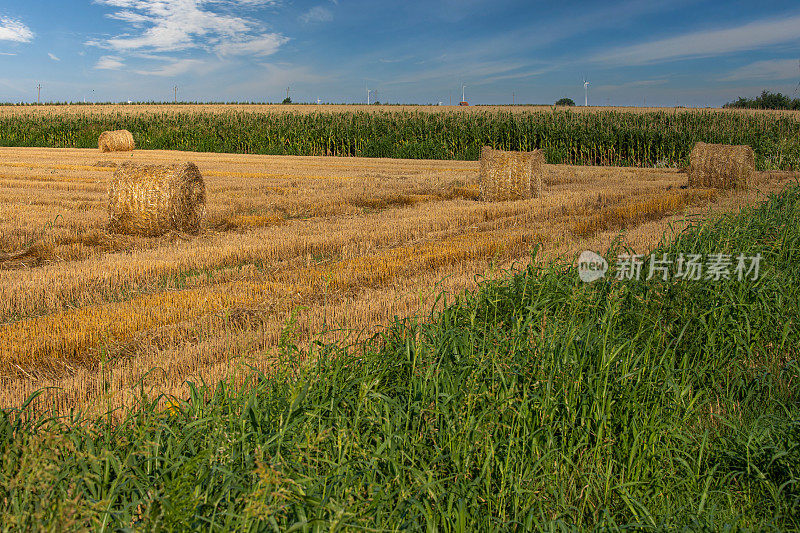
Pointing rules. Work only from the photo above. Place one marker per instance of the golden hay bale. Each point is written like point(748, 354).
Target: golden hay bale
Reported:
point(721, 166)
point(510, 175)
point(154, 199)
point(116, 141)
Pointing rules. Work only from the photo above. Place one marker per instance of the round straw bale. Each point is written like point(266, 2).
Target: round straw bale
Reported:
point(510, 175)
point(116, 141)
point(152, 200)
point(721, 166)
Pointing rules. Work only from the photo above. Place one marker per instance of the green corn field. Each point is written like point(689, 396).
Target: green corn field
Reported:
point(659, 138)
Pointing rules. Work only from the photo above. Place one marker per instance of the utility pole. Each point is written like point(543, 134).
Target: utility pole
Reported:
point(513, 97)
point(39, 94)
point(798, 85)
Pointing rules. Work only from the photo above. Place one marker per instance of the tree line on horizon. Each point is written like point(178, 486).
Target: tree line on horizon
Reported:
point(767, 100)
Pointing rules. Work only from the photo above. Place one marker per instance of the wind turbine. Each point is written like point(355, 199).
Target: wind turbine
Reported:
point(463, 97)
point(586, 91)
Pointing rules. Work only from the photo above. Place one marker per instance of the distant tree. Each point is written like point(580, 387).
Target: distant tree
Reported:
point(287, 100)
point(741, 103)
point(767, 100)
point(566, 102)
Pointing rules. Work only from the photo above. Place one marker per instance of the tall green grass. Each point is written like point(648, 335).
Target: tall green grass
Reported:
point(602, 138)
point(536, 402)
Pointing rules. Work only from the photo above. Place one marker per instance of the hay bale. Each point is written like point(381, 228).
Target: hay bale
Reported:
point(155, 199)
point(510, 175)
point(116, 141)
point(721, 166)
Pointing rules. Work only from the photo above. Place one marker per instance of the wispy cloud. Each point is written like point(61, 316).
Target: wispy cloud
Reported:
point(175, 68)
point(158, 26)
point(14, 30)
point(655, 82)
point(523, 41)
point(709, 43)
point(772, 69)
point(53, 56)
point(520, 74)
point(479, 73)
point(317, 14)
point(109, 63)
point(273, 78)
point(398, 60)
point(260, 47)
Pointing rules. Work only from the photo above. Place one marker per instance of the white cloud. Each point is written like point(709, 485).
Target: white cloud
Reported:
point(158, 26)
point(246, 3)
point(710, 43)
point(53, 56)
point(175, 68)
point(772, 69)
point(14, 30)
point(109, 63)
point(316, 15)
point(260, 46)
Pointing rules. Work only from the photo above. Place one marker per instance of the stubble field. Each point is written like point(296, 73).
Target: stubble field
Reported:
point(292, 248)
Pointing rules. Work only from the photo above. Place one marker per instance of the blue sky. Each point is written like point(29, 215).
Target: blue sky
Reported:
point(686, 52)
